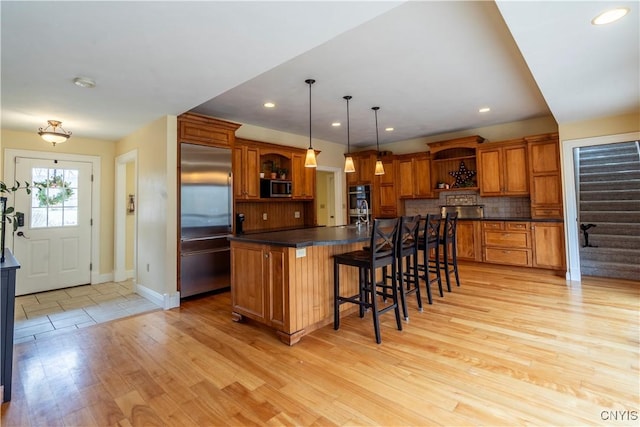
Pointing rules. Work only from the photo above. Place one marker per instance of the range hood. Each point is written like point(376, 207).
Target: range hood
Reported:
point(464, 211)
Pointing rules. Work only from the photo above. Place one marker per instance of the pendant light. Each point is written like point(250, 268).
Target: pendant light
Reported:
point(310, 160)
point(54, 133)
point(348, 161)
point(379, 167)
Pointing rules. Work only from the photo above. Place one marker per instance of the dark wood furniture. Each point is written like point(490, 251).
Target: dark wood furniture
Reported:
point(448, 243)
point(7, 306)
point(407, 259)
point(380, 253)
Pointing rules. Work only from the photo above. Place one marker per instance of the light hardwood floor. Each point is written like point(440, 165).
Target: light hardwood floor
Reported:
point(506, 348)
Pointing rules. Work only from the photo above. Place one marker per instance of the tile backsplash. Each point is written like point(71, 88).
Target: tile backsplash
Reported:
point(494, 207)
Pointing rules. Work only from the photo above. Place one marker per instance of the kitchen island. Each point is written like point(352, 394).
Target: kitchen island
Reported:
point(285, 279)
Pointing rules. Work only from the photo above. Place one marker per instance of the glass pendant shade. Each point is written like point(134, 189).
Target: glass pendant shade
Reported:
point(349, 167)
point(310, 159)
point(54, 133)
point(379, 168)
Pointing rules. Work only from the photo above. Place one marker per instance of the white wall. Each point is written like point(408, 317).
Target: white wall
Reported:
point(157, 207)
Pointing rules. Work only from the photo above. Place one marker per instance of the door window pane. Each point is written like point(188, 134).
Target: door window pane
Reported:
point(54, 200)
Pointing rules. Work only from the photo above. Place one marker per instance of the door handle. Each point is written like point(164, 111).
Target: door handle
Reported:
point(21, 234)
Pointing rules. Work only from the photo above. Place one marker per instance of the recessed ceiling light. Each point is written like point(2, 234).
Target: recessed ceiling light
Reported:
point(610, 16)
point(84, 82)
point(335, 124)
point(389, 129)
point(269, 105)
point(484, 110)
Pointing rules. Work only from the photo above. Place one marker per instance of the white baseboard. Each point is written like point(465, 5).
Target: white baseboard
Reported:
point(131, 274)
point(166, 301)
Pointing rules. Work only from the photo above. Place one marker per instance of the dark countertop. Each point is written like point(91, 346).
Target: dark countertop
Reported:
point(340, 235)
point(300, 238)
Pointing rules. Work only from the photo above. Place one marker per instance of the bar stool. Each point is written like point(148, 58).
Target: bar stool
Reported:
point(407, 260)
point(430, 265)
point(449, 252)
point(382, 252)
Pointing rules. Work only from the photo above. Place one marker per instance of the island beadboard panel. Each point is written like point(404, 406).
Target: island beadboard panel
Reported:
point(289, 289)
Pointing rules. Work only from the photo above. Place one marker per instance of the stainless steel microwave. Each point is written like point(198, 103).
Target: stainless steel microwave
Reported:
point(275, 188)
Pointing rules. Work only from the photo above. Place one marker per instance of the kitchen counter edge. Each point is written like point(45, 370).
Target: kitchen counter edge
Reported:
point(304, 237)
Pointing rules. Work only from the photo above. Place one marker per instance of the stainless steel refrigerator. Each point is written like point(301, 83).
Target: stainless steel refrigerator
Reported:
point(206, 201)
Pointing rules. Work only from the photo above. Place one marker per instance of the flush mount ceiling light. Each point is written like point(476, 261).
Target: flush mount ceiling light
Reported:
point(379, 167)
point(85, 82)
point(349, 167)
point(269, 105)
point(389, 129)
point(310, 160)
point(484, 110)
point(54, 133)
point(610, 16)
point(336, 124)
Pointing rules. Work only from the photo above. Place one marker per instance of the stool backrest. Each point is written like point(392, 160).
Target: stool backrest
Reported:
point(450, 223)
point(384, 238)
point(432, 229)
point(408, 234)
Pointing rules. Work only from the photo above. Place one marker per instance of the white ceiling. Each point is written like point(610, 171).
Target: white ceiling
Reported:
point(428, 65)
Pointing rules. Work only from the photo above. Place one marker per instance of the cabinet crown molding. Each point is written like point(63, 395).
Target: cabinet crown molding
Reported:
point(465, 142)
point(210, 121)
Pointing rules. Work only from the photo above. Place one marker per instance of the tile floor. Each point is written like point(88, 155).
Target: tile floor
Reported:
point(42, 315)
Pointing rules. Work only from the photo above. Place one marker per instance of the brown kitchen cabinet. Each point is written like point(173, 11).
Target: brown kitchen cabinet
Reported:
point(544, 176)
point(414, 176)
point(246, 171)
point(548, 245)
point(203, 130)
point(448, 156)
point(385, 187)
point(260, 277)
point(469, 240)
point(502, 169)
point(303, 179)
point(507, 243)
point(364, 162)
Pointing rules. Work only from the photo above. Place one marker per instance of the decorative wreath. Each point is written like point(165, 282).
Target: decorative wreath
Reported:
point(58, 198)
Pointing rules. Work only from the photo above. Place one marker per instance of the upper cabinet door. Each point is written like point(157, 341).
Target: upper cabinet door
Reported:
point(503, 169)
point(303, 179)
point(246, 172)
point(490, 167)
point(516, 178)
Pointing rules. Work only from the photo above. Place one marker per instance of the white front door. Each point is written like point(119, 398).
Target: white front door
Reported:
point(54, 245)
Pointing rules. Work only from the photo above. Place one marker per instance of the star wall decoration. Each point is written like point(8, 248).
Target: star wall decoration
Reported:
point(463, 176)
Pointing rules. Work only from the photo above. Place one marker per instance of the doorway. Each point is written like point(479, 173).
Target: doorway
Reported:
point(125, 217)
point(573, 234)
point(330, 207)
point(58, 245)
point(608, 193)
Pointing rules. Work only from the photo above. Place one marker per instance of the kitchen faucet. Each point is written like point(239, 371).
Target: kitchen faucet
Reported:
point(363, 213)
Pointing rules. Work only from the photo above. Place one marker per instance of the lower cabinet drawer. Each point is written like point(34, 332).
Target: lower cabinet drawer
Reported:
point(507, 239)
point(546, 212)
point(520, 257)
